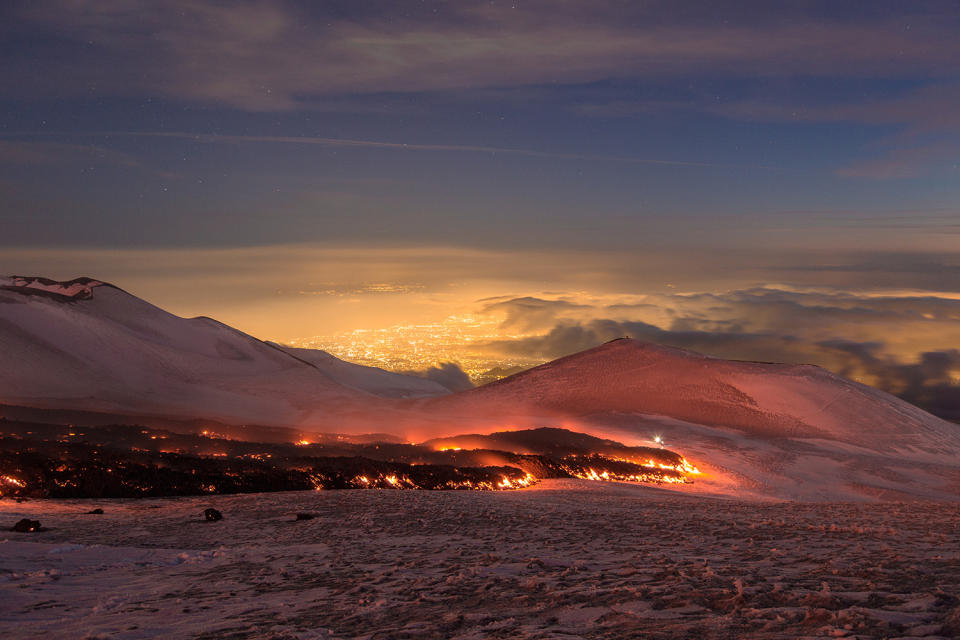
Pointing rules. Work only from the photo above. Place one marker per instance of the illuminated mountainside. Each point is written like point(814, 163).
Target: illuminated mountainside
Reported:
point(84, 344)
point(758, 399)
point(756, 429)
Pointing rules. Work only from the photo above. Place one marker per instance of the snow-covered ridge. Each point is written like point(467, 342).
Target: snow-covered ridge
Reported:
point(89, 346)
point(763, 399)
point(78, 288)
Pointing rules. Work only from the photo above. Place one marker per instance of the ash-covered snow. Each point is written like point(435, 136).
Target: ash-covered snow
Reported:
point(571, 559)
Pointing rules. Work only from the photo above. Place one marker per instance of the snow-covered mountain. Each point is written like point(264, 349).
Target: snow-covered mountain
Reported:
point(763, 429)
point(85, 344)
point(773, 430)
point(762, 399)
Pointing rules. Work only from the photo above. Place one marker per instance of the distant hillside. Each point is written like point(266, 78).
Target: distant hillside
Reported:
point(87, 345)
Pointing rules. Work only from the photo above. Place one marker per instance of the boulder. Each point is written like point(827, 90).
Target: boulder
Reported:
point(212, 515)
point(306, 516)
point(26, 526)
point(96, 512)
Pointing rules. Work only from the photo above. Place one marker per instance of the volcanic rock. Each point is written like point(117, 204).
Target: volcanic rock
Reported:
point(212, 515)
point(306, 516)
point(26, 525)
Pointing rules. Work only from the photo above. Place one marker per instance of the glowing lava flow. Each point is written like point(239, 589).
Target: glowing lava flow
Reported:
point(394, 481)
point(11, 481)
point(682, 467)
point(599, 468)
point(656, 478)
point(516, 483)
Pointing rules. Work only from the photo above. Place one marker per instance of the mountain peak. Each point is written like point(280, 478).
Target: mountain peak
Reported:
point(77, 289)
point(628, 343)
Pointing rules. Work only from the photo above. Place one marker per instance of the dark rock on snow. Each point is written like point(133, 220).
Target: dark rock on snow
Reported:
point(212, 515)
point(26, 526)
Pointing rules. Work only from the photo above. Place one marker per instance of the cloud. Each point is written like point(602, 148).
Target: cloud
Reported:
point(282, 55)
point(446, 374)
point(931, 382)
point(529, 313)
point(926, 121)
point(931, 107)
point(903, 162)
point(908, 304)
point(921, 124)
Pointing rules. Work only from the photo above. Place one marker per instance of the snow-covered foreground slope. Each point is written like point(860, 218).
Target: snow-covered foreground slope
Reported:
point(570, 559)
point(88, 345)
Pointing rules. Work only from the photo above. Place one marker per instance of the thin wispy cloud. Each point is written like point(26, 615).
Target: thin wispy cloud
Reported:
point(213, 138)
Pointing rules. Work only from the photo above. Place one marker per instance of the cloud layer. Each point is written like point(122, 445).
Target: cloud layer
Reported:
point(275, 56)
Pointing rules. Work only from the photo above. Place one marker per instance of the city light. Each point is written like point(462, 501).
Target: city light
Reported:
point(459, 339)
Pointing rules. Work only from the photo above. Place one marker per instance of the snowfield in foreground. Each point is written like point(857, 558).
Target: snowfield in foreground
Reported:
point(569, 559)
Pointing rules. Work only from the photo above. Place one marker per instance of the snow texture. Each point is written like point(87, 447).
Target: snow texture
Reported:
point(570, 559)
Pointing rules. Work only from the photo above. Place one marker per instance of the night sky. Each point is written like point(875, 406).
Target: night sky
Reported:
point(752, 179)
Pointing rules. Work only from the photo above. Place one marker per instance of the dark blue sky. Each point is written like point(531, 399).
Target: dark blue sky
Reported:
point(670, 124)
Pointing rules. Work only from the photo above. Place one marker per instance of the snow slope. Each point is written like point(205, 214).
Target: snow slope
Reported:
point(88, 345)
point(566, 560)
point(759, 399)
point(758, 430)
